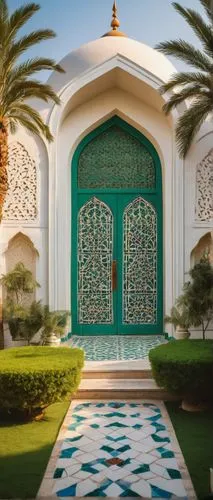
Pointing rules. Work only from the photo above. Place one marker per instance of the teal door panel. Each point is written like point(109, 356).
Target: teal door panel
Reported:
point(139, 247)
point(95, 311)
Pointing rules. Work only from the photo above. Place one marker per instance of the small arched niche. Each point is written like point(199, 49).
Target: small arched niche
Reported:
point(21, 249)
point(203, 247)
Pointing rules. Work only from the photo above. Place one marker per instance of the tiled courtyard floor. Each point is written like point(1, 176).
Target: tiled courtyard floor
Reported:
point(116, 347)
point(117, 449)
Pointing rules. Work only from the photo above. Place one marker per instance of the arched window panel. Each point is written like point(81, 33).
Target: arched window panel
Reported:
point(116, 159)
point(21, 199)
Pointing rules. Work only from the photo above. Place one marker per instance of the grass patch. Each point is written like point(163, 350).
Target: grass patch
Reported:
point(194, 433)
point(25, 450)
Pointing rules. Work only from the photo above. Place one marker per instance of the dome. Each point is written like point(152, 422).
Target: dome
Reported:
point(99, 51)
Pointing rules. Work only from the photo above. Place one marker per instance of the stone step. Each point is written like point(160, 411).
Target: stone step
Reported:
point(130, 375)
point(122, 389)
point(131, 369)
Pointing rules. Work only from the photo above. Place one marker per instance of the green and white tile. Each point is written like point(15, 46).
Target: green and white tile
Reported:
point(116, 347)
point(117, 449)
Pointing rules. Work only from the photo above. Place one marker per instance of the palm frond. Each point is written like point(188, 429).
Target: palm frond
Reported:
point(16, 81)
point(33, 116)
point(193, 91)
point(207, 6)
point(12, 126)
point(187, 53)
point(184, 78)
point(203, 30)
point(17, 48)
point(4, 15)
point(190, 122)
point(19, 17)
point(23, 120)
point(28, 89)
point(31, 66)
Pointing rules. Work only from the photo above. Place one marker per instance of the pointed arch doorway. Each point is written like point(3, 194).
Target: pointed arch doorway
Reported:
point(117, 268)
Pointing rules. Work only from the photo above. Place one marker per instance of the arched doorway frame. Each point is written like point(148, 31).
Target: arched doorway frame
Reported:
point(154, 193)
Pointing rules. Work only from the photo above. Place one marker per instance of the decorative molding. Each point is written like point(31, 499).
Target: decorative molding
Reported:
point(21, 199)
point(204, 189)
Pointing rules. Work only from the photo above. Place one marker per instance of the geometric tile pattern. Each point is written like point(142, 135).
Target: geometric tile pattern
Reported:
point(117, 449)
point(116, 347)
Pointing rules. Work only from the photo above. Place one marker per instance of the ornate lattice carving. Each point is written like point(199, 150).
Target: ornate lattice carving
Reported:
point(140, 263)
point(21, 199)
point(204, 188)
point(95, 234)
point(116, 159)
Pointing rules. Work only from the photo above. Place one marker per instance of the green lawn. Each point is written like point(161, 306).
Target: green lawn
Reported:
point(194, 433)
point(24, 453)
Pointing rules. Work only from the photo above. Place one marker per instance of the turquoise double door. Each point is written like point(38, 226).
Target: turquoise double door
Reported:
point(117, 277)
point(117, 258)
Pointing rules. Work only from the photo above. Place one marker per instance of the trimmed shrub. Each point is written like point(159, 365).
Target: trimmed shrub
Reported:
point(185, 367)
point(32, 378)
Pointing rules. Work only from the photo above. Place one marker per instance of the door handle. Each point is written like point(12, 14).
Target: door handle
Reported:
point(114, 274)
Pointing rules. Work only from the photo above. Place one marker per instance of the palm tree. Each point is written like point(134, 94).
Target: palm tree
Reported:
point(17, 84)
point(197, 85)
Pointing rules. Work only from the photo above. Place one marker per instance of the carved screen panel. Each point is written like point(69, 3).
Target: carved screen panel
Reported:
point(116, 159)
point(21, 199)
point(140, 263)
point(95, 240)
point(204, 194)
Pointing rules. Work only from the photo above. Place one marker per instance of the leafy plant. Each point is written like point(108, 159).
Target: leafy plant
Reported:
point(179, 317)
point(18, 283)
point(31, 322)
point(32, 378)
point(14, 314)
point(53, 322)
point(195, 306)
point(194, 86)
point(197, 295)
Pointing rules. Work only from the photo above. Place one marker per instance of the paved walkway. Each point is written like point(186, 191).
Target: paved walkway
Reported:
point(117, 449)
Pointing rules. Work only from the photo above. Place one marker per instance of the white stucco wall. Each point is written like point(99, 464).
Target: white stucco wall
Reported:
point(89, 97)
point(36, 231)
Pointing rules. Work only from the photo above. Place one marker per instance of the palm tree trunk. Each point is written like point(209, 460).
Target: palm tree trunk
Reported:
point(3, 163)
point(3, 191)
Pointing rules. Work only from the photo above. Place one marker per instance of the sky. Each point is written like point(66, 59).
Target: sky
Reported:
point(77, 22)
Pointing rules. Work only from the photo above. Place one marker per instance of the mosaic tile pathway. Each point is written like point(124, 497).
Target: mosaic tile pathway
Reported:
point(117, 449)
point(115, 347)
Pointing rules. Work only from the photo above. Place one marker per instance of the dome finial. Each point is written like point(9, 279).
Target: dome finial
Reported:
point(115, 23)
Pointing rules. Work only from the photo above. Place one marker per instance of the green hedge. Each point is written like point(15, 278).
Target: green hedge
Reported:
point(35, 377)
point(185, 367)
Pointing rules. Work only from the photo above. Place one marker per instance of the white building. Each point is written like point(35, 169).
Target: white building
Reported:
point(108, 217)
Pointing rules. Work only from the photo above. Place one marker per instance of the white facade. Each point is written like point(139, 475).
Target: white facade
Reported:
point(107, 77)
